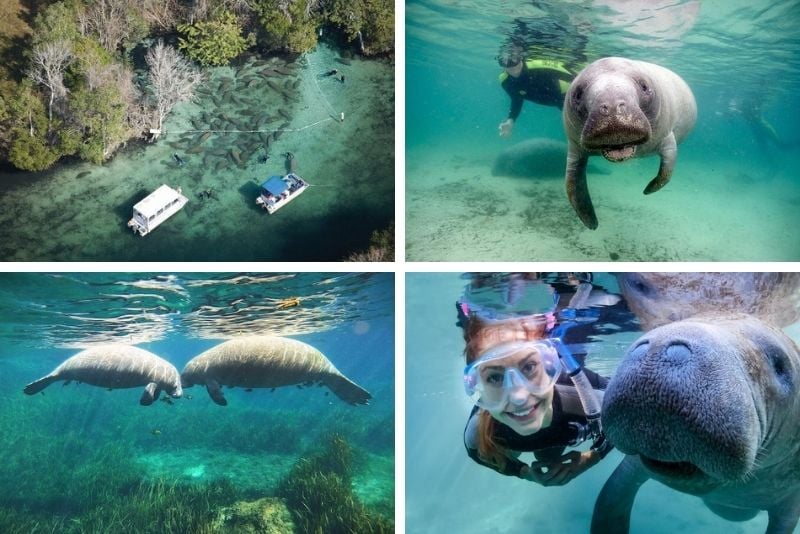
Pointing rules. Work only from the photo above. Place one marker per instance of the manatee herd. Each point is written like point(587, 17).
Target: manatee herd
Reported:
point(250, 362)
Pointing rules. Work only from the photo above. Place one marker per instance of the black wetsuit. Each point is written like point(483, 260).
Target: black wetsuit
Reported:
point(547, 444)
point(537, 85)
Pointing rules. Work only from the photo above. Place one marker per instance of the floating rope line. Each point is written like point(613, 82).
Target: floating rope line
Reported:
point(334, 115)
point(167, 132)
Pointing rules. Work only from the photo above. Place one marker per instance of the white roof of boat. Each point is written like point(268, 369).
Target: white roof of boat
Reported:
point(156, 200)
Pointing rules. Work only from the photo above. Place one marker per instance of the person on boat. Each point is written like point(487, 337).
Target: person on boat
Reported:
point(537, 79)
point(524, 400)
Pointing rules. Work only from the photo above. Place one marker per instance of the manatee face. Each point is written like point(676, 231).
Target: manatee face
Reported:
point(709, 404)
point(661, 298)
point(611, 103)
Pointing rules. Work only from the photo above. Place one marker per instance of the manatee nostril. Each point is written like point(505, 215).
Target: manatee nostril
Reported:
point(604, 109)
point(678, 351)
point(621, 107)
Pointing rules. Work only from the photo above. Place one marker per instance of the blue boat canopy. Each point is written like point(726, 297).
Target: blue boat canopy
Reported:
point(275, 185)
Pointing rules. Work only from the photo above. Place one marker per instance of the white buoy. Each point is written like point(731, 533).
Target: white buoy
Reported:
point(341, 117)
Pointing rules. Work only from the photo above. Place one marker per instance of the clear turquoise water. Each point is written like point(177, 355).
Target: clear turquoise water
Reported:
point(54, 441)
point(734, 194)
point(446, 491)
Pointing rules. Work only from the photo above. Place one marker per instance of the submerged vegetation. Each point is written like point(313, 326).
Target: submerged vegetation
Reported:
point(319, 493)
point(75, 465)
point(381, 247)
point(73, 82)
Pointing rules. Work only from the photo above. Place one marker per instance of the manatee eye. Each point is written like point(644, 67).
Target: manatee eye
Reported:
point(577, 94)
point(644, 87)
point(780, 365)
point(639, 286)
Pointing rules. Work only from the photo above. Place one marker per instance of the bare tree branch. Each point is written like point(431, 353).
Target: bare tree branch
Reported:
point(48, 64)
point(172, 79)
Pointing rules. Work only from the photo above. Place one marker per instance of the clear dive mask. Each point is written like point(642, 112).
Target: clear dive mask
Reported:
point(491, 379)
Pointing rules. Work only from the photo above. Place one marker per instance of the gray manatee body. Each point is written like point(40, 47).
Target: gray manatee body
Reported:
point(621, 108)
point(116, 366)
point(710, 407)
point(539, 157)
point(267, 362)
point(661, 298)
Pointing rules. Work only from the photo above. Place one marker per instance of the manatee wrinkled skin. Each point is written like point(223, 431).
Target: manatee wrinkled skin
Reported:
point(116, 366)
point(620, 109)
point(661, 298)
point(708, 406)
point(267, 362)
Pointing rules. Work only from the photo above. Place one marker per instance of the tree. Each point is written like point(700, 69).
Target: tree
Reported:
point(369, 21)
point(31, 147)
point(290, 24)
point(215, 42)
point(100, 113)
point(48, 63)
point(115, 23)
point(172, 79)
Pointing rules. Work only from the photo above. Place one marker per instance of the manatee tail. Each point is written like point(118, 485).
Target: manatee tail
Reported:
point(348, 391)
point(35, 387)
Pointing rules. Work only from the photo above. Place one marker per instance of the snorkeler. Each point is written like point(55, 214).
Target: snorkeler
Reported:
point(540, 80)
point(179, 160)
point(332, 72)
point(527, 399)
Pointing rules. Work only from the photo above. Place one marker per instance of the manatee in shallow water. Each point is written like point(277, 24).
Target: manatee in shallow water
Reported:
point(116, 366)
point(661, 298)
point(533, 158)
point(709, 406)
point(620, 108)
point(267, 362)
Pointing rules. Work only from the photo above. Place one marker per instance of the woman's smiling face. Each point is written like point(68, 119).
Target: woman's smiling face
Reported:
point(523, 411)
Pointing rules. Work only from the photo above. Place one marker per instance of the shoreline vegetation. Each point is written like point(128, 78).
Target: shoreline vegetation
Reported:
point(81, 78)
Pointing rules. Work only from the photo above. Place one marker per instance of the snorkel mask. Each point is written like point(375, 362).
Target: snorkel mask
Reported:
point(491, 380)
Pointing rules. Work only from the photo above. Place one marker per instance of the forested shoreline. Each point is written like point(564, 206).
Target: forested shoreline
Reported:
point(83, 77)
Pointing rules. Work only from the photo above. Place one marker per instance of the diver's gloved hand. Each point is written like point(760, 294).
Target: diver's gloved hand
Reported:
point(561, 471)
point(506, 127)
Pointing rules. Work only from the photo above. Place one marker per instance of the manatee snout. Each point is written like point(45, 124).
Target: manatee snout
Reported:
point(615, 125)
point(682, 402)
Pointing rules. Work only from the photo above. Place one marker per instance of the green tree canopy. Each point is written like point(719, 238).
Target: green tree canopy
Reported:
point(213, 42)
point(291, 26)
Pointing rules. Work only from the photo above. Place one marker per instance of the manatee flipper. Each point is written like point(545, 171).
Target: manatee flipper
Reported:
point(612, 509)
point(150, 394)
point(215, 392)
point(783, 516)
point(348, 391)
point(577, 190)
point(37, 386)
point(669, 153)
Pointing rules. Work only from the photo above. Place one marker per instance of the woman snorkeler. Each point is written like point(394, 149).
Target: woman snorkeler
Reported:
point(527, 399)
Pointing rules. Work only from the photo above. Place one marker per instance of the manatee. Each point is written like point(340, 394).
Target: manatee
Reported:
point(267, 362)
point(620, 108)
point(708, 406)
point(661, 298)
point(116, 366)
point(539, 157)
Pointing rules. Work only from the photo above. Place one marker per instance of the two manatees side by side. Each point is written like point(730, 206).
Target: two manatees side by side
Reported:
point(250, 362)
point(620, 109)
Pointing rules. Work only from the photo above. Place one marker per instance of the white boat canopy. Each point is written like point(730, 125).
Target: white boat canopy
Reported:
point(157, 200)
